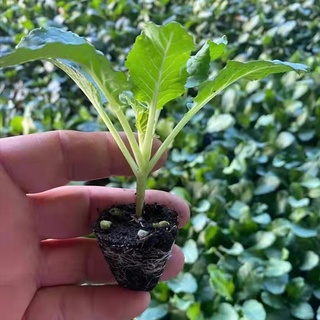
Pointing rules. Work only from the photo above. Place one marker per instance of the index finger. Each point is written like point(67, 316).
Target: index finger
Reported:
point(42, 161)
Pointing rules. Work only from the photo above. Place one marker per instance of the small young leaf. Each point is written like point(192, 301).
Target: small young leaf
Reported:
point(198, 66)
point(217, 47)
point(157, 63)
point(141, 111)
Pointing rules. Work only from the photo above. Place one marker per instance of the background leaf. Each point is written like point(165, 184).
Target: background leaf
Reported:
point(253, 310)
point(221, 282)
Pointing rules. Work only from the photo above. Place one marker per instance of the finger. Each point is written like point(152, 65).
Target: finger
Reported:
point(77, 261)
point(71, 211)
point(42, 161)
point(83, 303)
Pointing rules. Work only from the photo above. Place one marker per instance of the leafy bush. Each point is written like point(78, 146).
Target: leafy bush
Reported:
point(251, 175)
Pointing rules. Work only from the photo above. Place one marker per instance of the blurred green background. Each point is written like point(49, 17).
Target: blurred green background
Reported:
point(248, 164)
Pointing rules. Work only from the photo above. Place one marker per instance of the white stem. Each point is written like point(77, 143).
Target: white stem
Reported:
point(117, 138)
point(166, 143)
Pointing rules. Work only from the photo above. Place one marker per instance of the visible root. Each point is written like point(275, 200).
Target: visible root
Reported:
point(141, 270)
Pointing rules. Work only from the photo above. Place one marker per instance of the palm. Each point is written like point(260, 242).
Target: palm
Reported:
point(39, 276)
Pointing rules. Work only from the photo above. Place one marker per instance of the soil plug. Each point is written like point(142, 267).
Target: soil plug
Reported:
point(137, 256)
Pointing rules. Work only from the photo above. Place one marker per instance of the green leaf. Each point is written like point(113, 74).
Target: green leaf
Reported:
point(199, 64)
point(16, 124)
point(235, 70)
point(81, 79)
point(235, 250)
point(310, 261)
point(267, 184)
point(273, 301)
point(211, 233)
point(303, 232)
point(263, 218)
point(264, 239)
point(190, 251)
point(226, 312)
point(140, 110)
point(217, 47)
point(253, 310)
point(285, 139)
point(220, 122)
point(198, 67)
point(182, 303)
point(194, 312)
point(276, 285)
point(184, 282)
point(294, 203)
point(221, 281)
point(157, 63)
point(199, 221)
point(297, 289)
point(303, 311)
point(53, 44)
point(277, 268)
point(250, 279)
point(155, 313)
point(238, 210)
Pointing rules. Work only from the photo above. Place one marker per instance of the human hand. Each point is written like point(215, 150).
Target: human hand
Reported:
point(43, 257)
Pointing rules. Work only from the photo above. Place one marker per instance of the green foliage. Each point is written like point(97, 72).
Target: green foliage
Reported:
point(251, 176)
point(156, 61)
point(158, 71)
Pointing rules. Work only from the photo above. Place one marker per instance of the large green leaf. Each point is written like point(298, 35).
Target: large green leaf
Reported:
point(158, 61)
point(54, 44)
point(235, 70)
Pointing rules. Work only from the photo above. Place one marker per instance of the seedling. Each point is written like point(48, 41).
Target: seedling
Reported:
point(160, 68)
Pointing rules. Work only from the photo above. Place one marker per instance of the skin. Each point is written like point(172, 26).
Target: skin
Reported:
point(43, 256)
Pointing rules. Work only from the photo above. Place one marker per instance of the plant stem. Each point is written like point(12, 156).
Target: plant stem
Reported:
point(116, 108)
point(166, 143)
point(146, 142)
point(140, 193)
point(131, 137)
point(148, 137)
point(116, 137)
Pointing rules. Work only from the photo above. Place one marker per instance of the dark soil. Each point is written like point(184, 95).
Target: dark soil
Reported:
point(136, 250)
